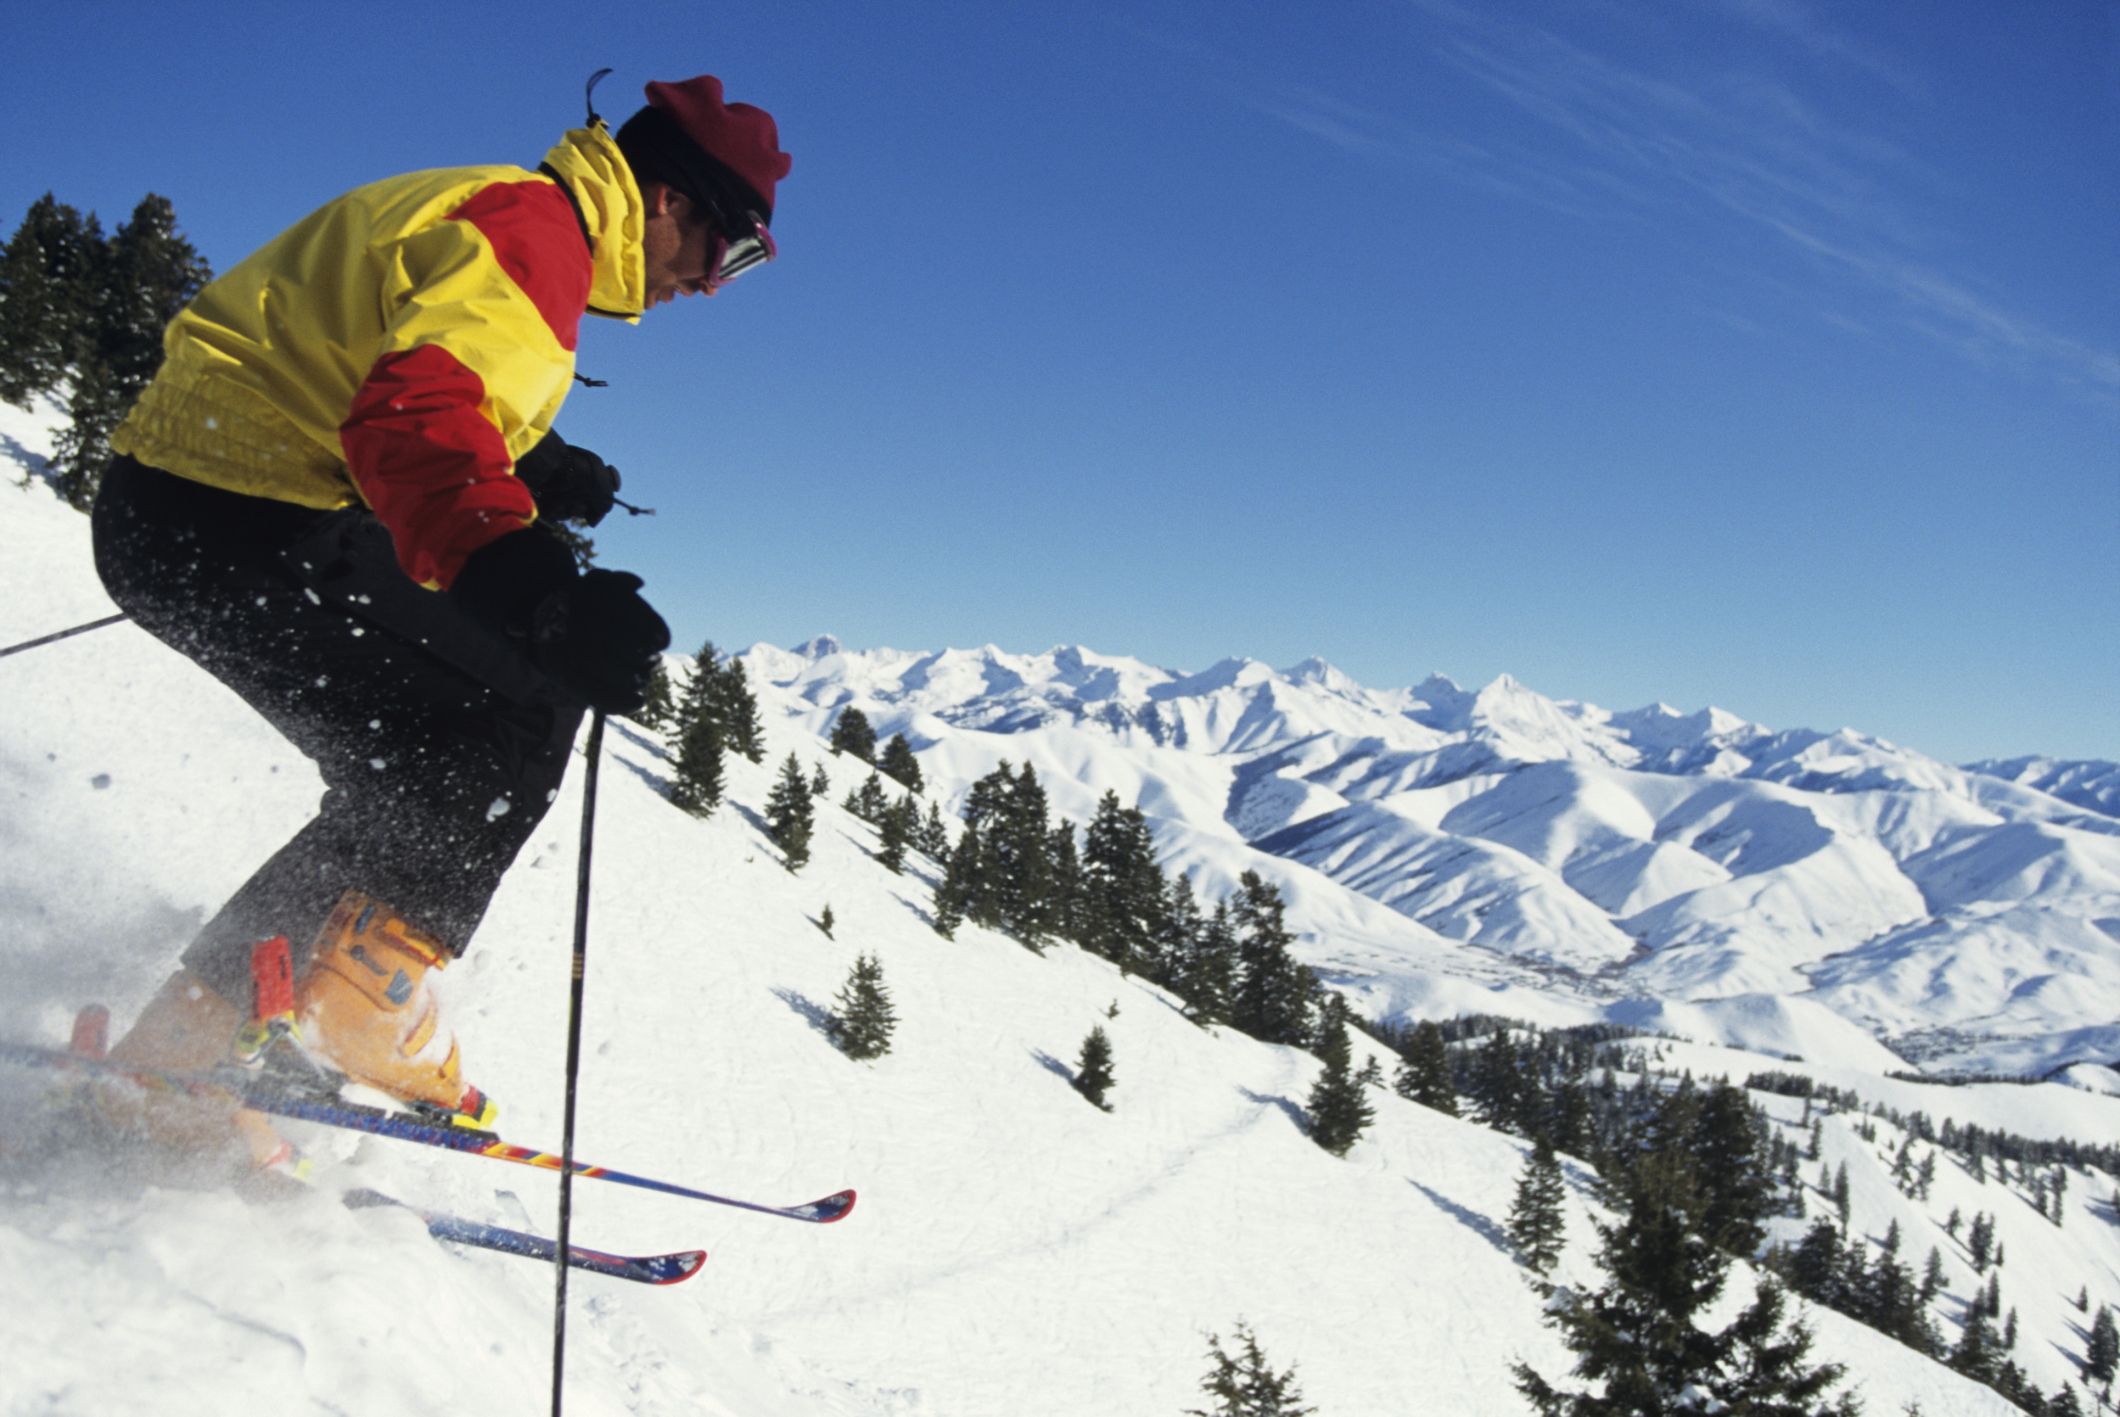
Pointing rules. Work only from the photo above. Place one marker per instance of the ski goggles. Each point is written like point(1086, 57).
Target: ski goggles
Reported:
point(736, 253)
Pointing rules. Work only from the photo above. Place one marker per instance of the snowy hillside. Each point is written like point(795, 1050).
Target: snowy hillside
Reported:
point(1015, 1251)
point(1969, 919)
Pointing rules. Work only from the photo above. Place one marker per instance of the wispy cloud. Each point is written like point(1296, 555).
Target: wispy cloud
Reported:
point(1624, 139)
point(1801, 24)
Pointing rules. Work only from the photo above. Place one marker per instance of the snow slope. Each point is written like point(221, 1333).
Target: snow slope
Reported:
point(1015, 1251)
point(1967, 918)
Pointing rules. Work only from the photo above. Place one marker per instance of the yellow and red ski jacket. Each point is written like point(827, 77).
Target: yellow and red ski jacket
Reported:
point(401, 347)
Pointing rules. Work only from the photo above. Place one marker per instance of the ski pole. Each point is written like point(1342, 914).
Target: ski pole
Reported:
point(58, 635)
point(574, 1058)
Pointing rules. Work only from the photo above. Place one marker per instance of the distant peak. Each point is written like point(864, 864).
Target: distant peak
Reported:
point(1314, 670)
point(1223, 674)
point(822, 647)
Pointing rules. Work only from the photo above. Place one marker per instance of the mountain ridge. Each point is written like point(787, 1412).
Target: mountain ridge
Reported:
point(1685, 857)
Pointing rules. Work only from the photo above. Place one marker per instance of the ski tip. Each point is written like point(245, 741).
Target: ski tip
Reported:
point(675, 1269)
point(837, 1206)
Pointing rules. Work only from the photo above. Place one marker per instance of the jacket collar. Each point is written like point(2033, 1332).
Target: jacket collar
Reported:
point(593, 173)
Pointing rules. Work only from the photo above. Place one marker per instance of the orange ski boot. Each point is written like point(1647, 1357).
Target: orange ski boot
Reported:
point(188, 1028)
point(363, 1004)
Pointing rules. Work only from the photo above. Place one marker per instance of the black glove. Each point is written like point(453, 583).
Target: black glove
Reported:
point(503, 582)
point(591, 633)
point(599, 639)
point(570, 484)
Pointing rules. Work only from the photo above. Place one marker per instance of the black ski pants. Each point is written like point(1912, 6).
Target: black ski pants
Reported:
point(440, 745)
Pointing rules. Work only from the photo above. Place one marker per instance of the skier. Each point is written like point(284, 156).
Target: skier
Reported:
point(335, 498)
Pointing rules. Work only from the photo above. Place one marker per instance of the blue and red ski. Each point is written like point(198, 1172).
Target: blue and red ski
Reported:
point(673, 1268)
point(234, 1088)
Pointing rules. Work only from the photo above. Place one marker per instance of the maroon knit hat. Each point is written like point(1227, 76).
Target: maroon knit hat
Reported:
point(738, 136)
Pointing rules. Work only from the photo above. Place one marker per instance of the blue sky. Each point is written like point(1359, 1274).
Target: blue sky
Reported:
point(1756, 352)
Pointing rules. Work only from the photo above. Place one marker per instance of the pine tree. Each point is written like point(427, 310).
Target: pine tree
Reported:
point(1636, 1339)
point(825, 921)
point(1424, 1076)
point(898, 762)
point(1567, 1123)
point(1980, 1241)
point(1093, 1070)
point(1210, 975)
point(1245, 1385)
point(851, 733)
point(146, 274)
point(1013, 886)
point(1275, 994)
point(934, 840)
point(737, 710)
point(2101, 1353)
point(1636, 1334)
point(698, 781)
point(699, 699)
point(1817, 1267)
point(869, 802)
point(1977, 1355)
point(1537, 1225)
point(960, 875)
point(1064, 890)
point(1499, 1083)
point(864, 1021)
point(1888, 1299)
point(1339, 1110)
point(1768, 1372)
point(895, 834)
point(1932, 1276)
point(790, 820)
point(85, 314)
point(1122, 887)
point(820, 785)
point(46, 273)
point(1178, 927)
point(698, 768)
point(1729, 1146)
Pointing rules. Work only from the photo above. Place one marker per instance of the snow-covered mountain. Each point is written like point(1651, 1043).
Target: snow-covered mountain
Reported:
point(1014, 1251)
point(2087, 782)
point(1969, 918)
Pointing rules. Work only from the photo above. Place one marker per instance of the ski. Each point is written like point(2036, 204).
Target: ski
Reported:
point(234, 1089)
point(673, 1268)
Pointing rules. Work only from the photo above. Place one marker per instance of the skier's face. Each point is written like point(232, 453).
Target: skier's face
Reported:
point(678, 247)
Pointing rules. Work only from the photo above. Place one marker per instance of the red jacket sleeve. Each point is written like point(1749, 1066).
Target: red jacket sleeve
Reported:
point(482, 310)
